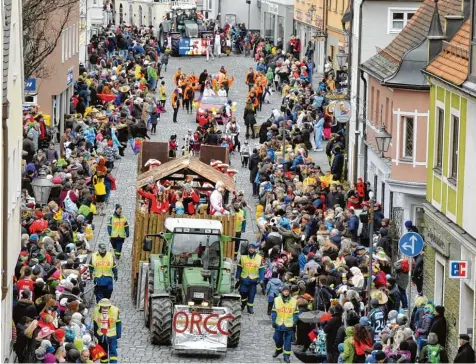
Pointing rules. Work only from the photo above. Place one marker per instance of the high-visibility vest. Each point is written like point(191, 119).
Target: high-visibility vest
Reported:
point(102, 265)
point(285, 311)
point(250, 266)
point(239, 217)
point(118, 226)
point(113, 316)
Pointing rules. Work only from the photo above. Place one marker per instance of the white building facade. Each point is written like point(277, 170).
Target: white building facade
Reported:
point(11, 133)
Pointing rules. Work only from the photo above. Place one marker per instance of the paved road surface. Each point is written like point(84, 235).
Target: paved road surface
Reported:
point(256, 337)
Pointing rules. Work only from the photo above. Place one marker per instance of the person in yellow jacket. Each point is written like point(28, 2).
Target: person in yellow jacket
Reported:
point(118, 230)
point(250, 272)
point(103, 269)
point(284, 317)
point(162, 93)
point(107, 328)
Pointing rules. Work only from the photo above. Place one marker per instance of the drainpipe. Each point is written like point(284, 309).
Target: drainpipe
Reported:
point(5, 197)
point(324, 30)
point(357, 123)
point(364, 131)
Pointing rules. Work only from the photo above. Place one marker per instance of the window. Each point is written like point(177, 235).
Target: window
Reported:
point(372, 102)
point(398, 19)
point(335, 6)
point(15, 64)
point(387, 107)
point(454, 146)
point(77, 38)
point(12, 175)
point(342, 7)
point(74, 39)
point(440, 129)
point(63, 46)
point(408, 127)
point(377, 108)
point(439, 280)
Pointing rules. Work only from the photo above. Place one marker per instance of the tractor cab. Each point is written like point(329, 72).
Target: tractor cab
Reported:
point(196, 260)
point(191, 277)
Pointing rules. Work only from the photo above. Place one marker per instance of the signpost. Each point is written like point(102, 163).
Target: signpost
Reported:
point(410, 244)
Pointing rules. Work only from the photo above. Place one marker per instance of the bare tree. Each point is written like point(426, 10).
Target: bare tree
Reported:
point(43, 24)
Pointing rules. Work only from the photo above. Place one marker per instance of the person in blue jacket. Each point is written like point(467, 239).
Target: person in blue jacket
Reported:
point(250, 272)
point(272, 290)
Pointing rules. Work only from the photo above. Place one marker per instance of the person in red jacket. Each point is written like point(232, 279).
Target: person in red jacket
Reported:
point(190, 199)
point(158, 203)
point(26, 282)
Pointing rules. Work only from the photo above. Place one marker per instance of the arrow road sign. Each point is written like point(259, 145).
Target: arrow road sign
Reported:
point(411, 244)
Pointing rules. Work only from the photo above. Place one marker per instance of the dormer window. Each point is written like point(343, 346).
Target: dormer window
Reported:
point(398, 19)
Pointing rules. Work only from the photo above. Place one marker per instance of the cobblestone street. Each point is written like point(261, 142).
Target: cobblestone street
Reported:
point(256, 343)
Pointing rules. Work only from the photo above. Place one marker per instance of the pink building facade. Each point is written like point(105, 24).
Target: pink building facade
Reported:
point(399, 179)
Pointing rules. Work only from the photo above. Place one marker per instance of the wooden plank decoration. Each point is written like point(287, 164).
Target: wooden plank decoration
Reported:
point(153, 223)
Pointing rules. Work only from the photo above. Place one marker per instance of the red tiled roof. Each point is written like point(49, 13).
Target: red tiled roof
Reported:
point(386, 62)
point(452, 63)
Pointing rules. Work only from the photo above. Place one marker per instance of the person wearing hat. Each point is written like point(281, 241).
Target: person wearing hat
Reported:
point(433, 352)
point(107, 328)
point(439, 325)
point(376, 314)
point(465, 351)
point(103, 268)
point(118, 230)
point(284, 316)
point(250, 273)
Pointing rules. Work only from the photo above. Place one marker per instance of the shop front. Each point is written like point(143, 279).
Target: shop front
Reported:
point(309, 27)
point(276, 20)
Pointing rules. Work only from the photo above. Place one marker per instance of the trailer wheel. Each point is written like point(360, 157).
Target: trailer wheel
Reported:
point(150, 288)
point(161, 321)
point(234, 327)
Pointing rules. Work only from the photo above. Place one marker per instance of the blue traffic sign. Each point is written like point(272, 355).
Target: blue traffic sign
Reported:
point(411, 244)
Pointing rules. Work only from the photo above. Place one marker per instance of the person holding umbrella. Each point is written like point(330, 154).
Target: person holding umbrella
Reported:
point(284, 317)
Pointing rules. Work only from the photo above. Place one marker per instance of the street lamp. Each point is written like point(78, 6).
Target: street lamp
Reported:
point(383, 139)
point(341, 58)
point(42, 188)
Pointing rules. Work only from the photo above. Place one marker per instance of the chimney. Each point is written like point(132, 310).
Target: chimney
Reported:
point(435, 35)
point(453, 23)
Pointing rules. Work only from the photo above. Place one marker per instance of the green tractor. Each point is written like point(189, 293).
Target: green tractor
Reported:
point(190, 274)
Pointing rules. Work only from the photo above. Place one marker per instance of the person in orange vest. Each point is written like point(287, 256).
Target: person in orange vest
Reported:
point(188, 96)
point(175, 100)
point(177, 76)
point(250, 78)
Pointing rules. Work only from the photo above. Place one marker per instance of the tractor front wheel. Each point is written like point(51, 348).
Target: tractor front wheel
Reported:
point(161, 321)
point(233, 307)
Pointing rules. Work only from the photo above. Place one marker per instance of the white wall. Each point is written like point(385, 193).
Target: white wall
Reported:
point(375, 25)
point(15, 97)
point(470, 170)
point(240, 9)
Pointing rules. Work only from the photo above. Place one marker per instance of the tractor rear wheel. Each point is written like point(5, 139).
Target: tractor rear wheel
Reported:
point(234, 327)
point(161, 321)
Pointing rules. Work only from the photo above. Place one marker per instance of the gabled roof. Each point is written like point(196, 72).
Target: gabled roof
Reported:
point(453, 61)
point(387, 61)
point(190, 164)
